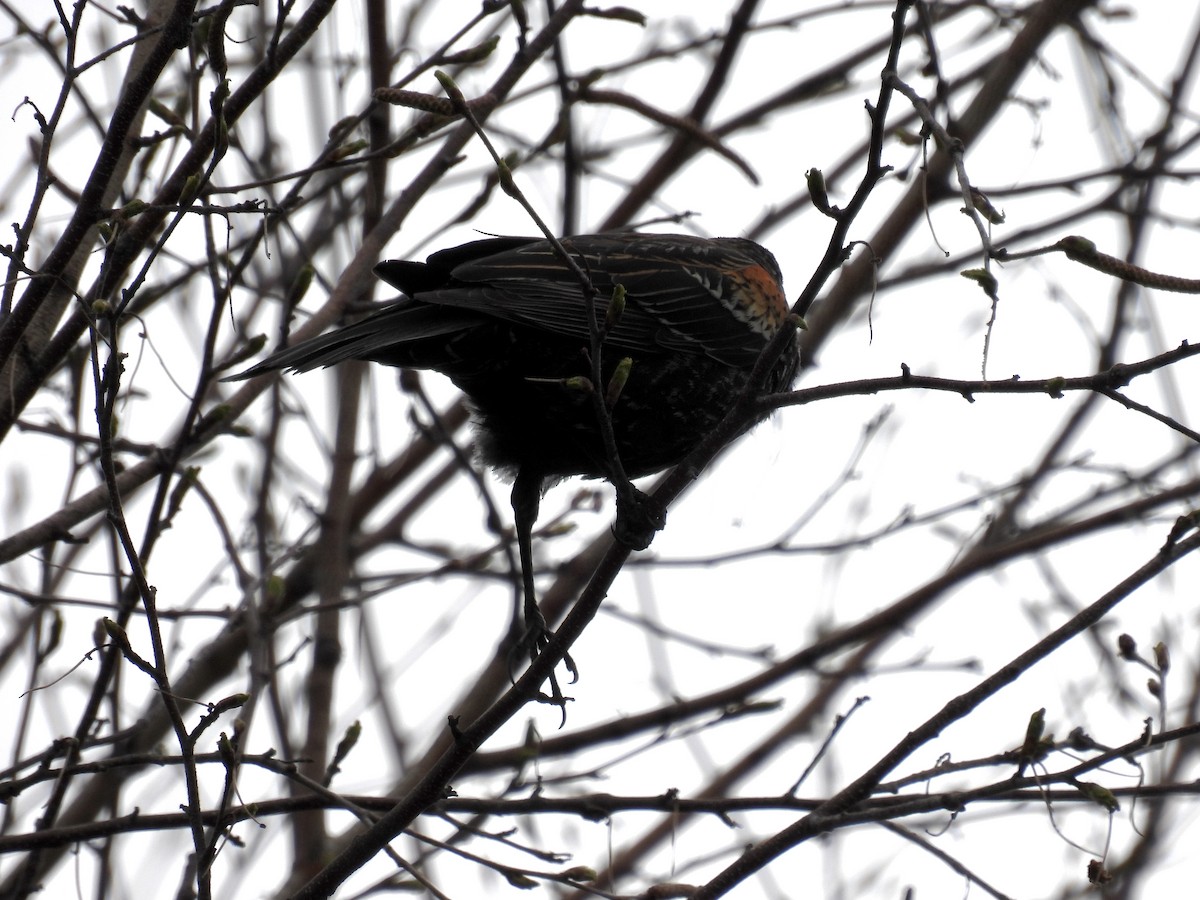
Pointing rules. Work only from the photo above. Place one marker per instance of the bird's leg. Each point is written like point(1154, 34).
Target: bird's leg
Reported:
point(526, 498)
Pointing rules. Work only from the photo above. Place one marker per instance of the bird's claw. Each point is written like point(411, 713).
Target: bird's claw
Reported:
point(639, 518)
point(536, 638)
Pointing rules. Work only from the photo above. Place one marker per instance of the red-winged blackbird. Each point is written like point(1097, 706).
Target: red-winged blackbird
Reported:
point(507, 320)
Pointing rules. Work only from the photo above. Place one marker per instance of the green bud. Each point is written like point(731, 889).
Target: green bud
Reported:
point(616, 384)
point(617, 13)
point(616, 307)
point(506, 179)
point(579, 873)
point(349, 739)
point(984, 207)
point(299, 286)
point(450, 87)
point(1034, 730)
point(983, 278)
point(478, 53)
point(54, 636)
point(233, 701)
point(1075, 247)
point(1099, 794)
point(349, 149)
point(191, 188)
point(1162, 657)
point(818, 193)
point(132, 208)
point(578, 383)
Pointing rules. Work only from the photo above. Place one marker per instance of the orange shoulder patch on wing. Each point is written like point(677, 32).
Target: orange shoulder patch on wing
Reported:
point(759, 294)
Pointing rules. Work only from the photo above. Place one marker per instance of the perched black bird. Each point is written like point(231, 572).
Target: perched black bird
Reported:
point(507, 320)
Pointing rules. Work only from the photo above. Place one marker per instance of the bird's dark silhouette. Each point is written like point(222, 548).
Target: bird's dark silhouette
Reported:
point(508, 321)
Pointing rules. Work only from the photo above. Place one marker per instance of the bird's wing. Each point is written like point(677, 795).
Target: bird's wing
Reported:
point(395, 335)
point(717, 297)
point(721, 298)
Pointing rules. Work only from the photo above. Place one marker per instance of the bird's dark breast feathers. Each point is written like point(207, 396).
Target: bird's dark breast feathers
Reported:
point(527, 415)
